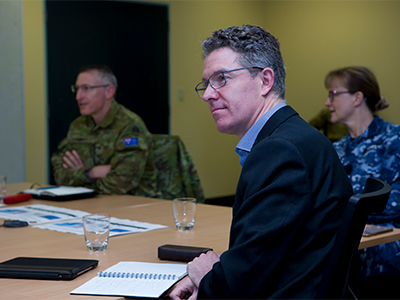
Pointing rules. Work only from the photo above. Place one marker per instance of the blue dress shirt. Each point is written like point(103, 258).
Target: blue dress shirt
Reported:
point(244, 146)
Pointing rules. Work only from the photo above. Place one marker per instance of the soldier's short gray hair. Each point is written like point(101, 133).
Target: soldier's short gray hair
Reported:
point(105, 72)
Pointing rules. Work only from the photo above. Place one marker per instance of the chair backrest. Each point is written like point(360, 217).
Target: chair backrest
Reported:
point(336, 275)
point(176, 173)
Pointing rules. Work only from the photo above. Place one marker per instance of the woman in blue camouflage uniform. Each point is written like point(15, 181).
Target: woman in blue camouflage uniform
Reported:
point(371, 148)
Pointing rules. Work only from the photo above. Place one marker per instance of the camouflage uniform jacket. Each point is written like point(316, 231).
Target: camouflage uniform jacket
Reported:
point(376, 153)
point(333, 131)
point(121, 140)
point(176, 173)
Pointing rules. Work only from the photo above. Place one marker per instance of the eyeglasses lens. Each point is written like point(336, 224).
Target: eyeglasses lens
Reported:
point(218, 80)
point(201, 88)
point(83, 88)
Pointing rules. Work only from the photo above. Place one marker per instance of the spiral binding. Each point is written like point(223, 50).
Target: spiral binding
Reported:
point(137, 275)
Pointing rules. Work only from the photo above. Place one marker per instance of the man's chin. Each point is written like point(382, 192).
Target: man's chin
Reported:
point(84, 112)
point(225, 129)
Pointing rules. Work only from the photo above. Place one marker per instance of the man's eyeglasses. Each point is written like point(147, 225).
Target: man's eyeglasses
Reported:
point(331, 94)
point(217, 81)
point(86, 88)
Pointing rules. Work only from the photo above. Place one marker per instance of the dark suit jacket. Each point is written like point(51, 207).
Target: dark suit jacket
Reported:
point(290, 197)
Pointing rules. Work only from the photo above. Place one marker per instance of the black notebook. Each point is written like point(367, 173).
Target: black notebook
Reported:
point(61, 193)
point(45, 268)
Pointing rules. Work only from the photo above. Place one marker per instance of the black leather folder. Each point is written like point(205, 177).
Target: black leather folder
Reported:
point(180, 253)
point(45, 268)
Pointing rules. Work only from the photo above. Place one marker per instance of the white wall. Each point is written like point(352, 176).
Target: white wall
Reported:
point(12, 118)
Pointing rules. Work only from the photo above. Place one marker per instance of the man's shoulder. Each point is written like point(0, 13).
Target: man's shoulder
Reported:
point(284, 122)
point(128, 116)
point(127, 121)
point(284, 115)
point(80, 123)
point(286, 127)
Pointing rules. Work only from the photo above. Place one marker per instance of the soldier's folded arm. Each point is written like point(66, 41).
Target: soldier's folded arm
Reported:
point(129, 164)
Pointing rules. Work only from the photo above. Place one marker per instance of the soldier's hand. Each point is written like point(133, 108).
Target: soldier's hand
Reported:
point(99, 171)
point(72, 160)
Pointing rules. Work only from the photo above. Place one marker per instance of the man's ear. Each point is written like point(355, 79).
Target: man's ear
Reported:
point(359, 98)
point(268, 78)
point(110, 91)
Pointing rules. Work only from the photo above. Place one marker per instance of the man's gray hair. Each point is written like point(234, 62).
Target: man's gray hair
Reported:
point(256, 48)
point(104, 73)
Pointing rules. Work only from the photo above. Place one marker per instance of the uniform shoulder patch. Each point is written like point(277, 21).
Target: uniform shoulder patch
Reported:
point(131, 142)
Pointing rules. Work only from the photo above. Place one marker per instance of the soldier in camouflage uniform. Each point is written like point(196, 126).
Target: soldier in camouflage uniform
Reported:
point(370, 149)
point(108, 148)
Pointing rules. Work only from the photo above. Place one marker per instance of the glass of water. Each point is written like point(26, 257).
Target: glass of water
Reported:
point(97, 229)
point(184, 213)
point(3, 183)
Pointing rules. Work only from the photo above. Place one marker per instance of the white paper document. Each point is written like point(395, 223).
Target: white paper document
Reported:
point(40, 213)
point(117, 226)
point(69, 220)
point(134, 279)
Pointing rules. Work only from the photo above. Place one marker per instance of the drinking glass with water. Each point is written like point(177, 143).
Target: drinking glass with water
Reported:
point(3, 183)
point(184, 213)
point(97, 229)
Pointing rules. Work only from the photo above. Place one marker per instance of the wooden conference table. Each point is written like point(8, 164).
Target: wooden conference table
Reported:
point(211, 230)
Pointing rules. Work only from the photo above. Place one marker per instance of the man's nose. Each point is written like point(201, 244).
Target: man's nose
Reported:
point(210, 93)
point(79, 94)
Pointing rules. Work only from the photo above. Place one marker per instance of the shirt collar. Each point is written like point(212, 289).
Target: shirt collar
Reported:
point(373, 129)
point(109, 117)
point(247, 141)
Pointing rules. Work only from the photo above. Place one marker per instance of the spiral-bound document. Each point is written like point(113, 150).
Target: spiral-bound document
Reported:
point(133, 279)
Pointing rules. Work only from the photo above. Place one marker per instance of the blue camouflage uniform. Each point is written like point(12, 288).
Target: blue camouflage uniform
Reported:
point(376, 153)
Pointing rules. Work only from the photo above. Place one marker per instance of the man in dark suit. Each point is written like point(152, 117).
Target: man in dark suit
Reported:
point(292, 190)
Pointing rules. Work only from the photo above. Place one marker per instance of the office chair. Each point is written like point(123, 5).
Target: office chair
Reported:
point(334, 283)
point(176, 173)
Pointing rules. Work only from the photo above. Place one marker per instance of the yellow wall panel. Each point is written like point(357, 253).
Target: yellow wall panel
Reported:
point(315, 37)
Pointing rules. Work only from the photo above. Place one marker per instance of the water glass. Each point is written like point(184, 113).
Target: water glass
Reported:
point(3, 183)
point(184, 213)
point(97, 229)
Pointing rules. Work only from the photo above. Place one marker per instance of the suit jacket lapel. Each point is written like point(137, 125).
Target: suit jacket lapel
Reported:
point(276, 119)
